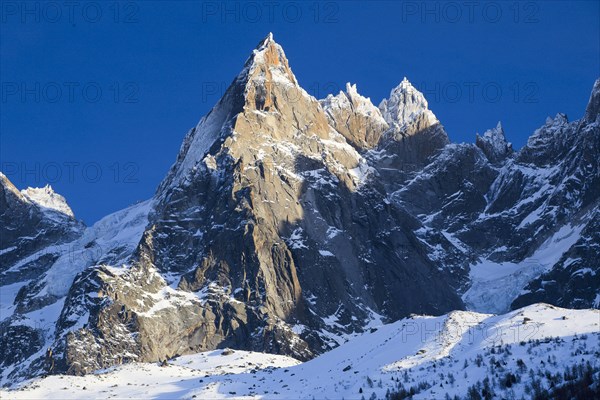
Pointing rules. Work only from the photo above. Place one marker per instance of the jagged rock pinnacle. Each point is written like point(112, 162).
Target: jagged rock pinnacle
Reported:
point(47, 198)
point(493, 144)
point(268, 39)
point(355, 117)
point(406, 104)
point(269, 57)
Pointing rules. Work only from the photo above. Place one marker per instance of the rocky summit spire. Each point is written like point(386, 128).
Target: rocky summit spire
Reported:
point(266, 87)
point(268, 68)
point(415, 133)
point(493, 144)
point(269, 63)
point(405, 105)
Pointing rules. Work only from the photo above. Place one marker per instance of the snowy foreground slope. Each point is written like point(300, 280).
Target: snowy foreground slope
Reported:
point(521, 353)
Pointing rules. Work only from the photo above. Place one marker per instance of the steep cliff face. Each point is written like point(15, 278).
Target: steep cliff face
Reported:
point(287, 224)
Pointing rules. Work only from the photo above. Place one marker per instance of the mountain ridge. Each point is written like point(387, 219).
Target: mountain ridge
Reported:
point(289, 226)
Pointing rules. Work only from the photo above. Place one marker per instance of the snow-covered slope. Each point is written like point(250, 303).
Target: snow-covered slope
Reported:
point(494, 285)
point(519, 353)
point(46, 197)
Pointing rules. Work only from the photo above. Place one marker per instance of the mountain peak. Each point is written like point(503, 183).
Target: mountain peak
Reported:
point(493, 143)
point(405, 105)
point(265, 42)
point(265, 97)
point(405, 84)
point(269, 63)
point(47, 198)
point(359, 102)
point(351, 88)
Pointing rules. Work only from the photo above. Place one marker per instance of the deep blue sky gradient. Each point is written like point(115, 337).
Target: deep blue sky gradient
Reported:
point(171, 61)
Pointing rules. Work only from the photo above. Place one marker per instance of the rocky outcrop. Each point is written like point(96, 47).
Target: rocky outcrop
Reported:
point(355, 117)
point(494, 145)
point(415, 133)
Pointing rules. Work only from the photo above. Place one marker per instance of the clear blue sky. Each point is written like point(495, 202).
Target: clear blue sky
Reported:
point(97, 98)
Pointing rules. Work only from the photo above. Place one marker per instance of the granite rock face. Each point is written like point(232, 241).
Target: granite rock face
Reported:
point(288, 224)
